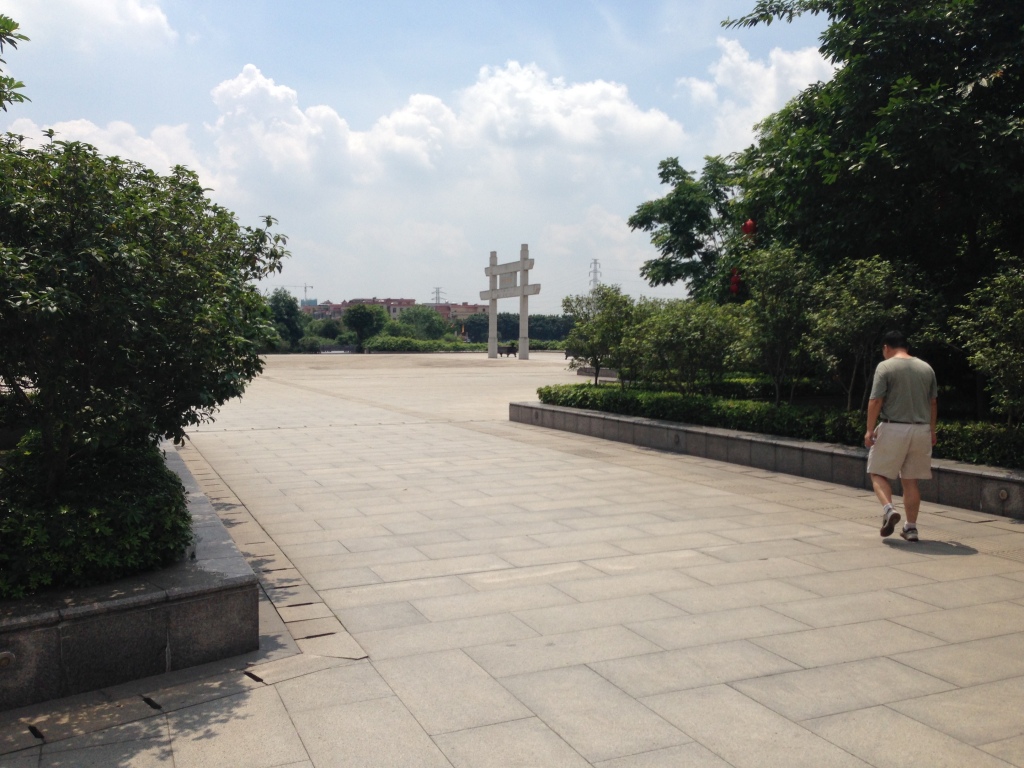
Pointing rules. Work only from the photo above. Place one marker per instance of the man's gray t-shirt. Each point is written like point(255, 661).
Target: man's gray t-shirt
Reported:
point(907, 386)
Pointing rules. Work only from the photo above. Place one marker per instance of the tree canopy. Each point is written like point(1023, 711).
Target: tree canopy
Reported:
point(690, 226)
point(424, 322)
point(127, 304)
point(9, 87)
point(365, 321)
point(287, 316)
point(913, 151)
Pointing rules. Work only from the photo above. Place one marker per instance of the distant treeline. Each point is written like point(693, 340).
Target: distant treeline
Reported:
point(542, 327)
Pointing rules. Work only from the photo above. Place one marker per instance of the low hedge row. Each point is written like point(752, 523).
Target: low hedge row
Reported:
point(974, 443)
point(403, 344)
point(400, 344)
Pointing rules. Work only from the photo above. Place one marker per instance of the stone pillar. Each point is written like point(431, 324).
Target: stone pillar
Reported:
point(507, 281)
point(492, 315)
point(524, 304)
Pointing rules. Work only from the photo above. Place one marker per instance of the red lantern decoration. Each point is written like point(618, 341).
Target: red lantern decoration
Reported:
point(734, 282)
point(749, 227)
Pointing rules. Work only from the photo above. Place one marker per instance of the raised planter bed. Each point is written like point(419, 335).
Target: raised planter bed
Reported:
point(199, 610)
point(986, 489)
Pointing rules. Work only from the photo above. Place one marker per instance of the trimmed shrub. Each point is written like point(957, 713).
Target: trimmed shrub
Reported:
point(312, 345)
point(399, 344)
point(119, 511)
point(975, 443)
point(545, 345)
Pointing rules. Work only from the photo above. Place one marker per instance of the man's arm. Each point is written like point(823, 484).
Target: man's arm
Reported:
point(934, 416)
point(874, 409)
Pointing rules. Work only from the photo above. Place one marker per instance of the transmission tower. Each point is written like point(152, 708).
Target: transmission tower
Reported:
point(439, 295)
point(595, 273)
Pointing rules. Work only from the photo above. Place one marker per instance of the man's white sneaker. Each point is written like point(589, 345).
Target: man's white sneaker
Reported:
point(910, 534)
point(889, 525)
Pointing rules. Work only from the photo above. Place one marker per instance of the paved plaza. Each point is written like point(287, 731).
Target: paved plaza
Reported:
point(442, 587)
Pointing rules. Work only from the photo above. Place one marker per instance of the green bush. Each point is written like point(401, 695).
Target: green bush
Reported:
point(312, 345)
point(542, 345)
point(974, 443)
point(119, 511)
point(706, 410)
point(399, 344)
point(996, 445)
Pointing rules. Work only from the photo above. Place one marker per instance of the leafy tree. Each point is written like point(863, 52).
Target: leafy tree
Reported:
point(365, 321)
point(852, 307)
point(9, 87)
point(990, 326)
point(779, 281)
point(284, 308)
point(631, 358)
point(549, 327)
point(325, 329)
point(913, 151)
point(601, 319)
point(127, 305)
point(476, 327)
point(685, 344)
point(542, 327)
point(690, 226)
point(424, 323)
point(395, 329)
point(508, 326)
point(311, 345)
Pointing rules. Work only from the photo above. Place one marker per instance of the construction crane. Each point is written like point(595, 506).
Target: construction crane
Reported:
point(305, 288)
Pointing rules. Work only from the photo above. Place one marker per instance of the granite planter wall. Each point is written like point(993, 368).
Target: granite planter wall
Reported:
point(199, 610)
point(985, 489)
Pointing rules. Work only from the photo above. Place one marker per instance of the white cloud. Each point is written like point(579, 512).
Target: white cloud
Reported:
point(90, 25)
point(419, 198)
point(742, 91)
point(165, 147)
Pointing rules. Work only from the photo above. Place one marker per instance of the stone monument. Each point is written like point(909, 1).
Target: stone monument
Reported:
point(508, 280)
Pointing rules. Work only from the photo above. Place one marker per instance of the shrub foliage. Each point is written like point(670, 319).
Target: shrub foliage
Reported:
point(128, 312)
point(139, 521)
point(974, 443)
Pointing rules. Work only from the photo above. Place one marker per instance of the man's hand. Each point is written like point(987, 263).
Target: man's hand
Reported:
point(869, 439)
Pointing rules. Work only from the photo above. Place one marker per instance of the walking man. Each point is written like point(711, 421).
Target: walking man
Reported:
point(901, 430)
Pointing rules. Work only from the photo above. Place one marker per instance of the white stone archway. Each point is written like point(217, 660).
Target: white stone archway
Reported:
point(509, 280)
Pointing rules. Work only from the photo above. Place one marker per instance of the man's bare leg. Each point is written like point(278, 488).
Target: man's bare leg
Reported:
point(883, 489)
point(911, 500)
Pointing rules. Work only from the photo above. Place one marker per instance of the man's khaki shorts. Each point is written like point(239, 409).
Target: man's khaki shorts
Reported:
point(901, 450)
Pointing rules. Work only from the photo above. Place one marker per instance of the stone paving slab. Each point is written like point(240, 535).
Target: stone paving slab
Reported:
point(441, 587)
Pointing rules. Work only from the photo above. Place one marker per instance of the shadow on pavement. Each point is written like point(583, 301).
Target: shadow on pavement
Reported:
point(926, 547)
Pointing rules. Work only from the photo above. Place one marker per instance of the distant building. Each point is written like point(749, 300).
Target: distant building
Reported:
point(327, 309)
point(453, 312)
point(307, 302)
point(394, 307)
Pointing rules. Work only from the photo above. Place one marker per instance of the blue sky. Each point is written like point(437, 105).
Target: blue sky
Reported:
point(399, 142)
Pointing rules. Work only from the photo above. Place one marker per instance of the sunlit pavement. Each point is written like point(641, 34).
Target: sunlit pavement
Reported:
point(445, 588)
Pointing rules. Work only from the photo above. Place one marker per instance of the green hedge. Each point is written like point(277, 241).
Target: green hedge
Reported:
point(547, 345)
point(404, 344)
point(974, 443)
point(400, 344)
point(120, 511)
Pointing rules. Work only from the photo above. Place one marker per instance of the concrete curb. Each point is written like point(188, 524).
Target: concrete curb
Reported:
point(986, 489)
point(202, 609)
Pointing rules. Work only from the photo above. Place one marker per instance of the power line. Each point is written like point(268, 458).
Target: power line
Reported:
point(439, 295)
